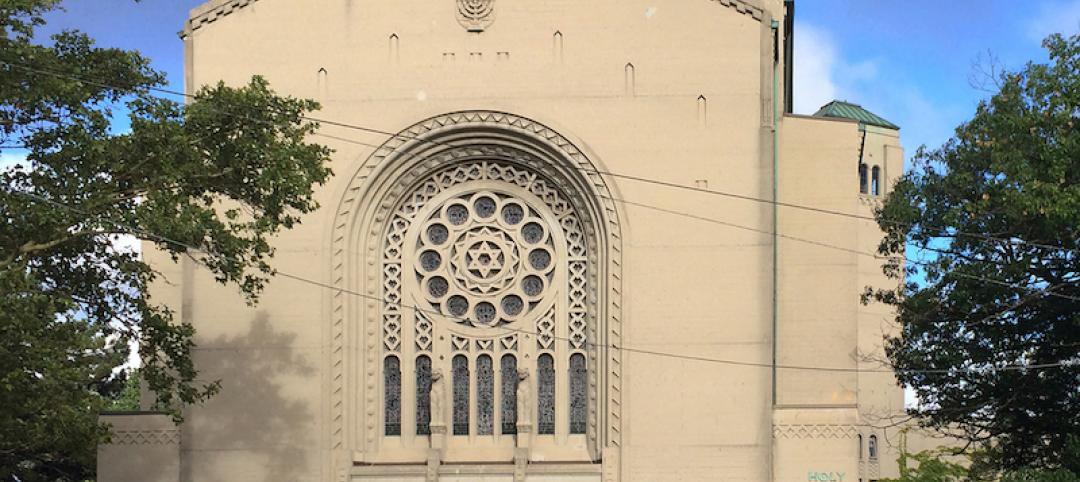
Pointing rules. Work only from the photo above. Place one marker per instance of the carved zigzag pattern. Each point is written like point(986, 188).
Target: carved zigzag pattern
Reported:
point(347, 212)
point(218, 11)
point(225, 8)
point(145, 437)
point(744, 7)
point(823, 431)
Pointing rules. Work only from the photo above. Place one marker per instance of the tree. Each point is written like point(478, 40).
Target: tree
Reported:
point(222, 174)
point(998, 205)
point(928, 466)
point(127, 398)
point(945, 465)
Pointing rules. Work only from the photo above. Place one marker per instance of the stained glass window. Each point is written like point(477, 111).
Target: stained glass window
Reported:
point(875, 181)
point(483, 257)
point(513, 214)
point(392, 384)
point(863, 178)
point(509, 394)
point(461, 395)
point(423, 395)
point(485, 395)
point(485, 207)
point(478, 247)
point(578, 396)
point(545, 395)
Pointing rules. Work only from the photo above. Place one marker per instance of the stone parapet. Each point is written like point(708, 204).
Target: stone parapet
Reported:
point(143, 447)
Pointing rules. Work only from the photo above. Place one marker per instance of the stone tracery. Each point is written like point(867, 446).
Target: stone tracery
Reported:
point(587, 295)
point(483, 269)
point(490, 245)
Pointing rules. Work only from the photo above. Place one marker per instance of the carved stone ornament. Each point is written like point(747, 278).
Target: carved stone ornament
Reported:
point(476, 15)
point(515, 224)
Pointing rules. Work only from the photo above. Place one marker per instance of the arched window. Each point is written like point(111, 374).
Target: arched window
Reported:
point(578, 397)
point(509, 377)
point(423, 395)
point(873, 447)
point(490, 271)
point(461, 395)
point(875, 181)
point(860, 447)
point(392, 385)
point(485, 395)
point(545, 377)
point(862, 178)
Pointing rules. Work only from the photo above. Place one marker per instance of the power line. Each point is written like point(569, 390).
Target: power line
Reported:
point(663, 183)
point(605, 173)
point(162, 239)
point(840, 248)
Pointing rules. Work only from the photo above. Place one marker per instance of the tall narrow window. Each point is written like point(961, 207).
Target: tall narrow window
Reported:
point(508, 368)
point(392, 385)
point(578, 398)
point(423, 395)
point(875, 181)
point(485, 395)
point(545, 378)
point(860, 447)
point(873, 447)
point(461, 395)
point(862, 178)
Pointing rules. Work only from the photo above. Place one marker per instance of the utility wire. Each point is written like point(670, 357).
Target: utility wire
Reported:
point(600, 172)
point(162, 239)
point(663, 183)
point(841, 248)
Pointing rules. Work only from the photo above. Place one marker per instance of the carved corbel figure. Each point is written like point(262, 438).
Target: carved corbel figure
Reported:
point(524, 396)
point(437, 395)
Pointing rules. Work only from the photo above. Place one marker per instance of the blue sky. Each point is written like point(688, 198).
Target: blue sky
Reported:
point(910, 62)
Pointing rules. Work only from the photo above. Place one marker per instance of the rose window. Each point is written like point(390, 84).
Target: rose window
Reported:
point(485, 259)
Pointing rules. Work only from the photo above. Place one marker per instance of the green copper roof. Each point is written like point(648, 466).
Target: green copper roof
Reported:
point(847, 110)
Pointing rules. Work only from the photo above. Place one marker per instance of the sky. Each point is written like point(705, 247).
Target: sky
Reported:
point(912, 62)
point(916, 63)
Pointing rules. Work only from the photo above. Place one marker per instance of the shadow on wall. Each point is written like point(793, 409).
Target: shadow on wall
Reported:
point(261, 433)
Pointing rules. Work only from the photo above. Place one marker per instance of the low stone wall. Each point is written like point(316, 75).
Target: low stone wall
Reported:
point(145, 447)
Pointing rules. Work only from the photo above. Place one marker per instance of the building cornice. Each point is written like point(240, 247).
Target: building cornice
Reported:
point(213, 10)
point(210, 12)
point(745, 7)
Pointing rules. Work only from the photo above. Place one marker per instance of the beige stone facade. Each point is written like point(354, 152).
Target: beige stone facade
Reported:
point(512, 205)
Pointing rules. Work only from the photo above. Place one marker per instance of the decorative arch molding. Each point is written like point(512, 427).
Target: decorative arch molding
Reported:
point(507, 148)
point(216, 9)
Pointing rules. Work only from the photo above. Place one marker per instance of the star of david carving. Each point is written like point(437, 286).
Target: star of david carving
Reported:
point(484, 258)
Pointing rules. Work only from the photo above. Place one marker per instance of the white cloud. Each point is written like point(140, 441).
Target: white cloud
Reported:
point(1055, 17)
point(126, 243)
point(816, 60)
point(911, 399)
point(823, 74)
point(9, 159)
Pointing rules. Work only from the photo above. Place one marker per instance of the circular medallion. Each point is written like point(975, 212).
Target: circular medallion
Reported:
point(484, 259)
